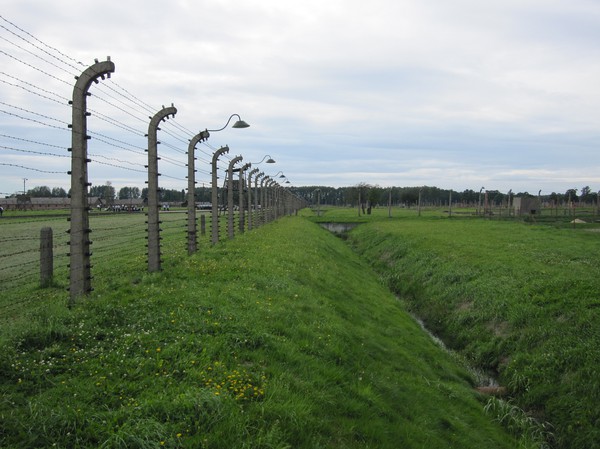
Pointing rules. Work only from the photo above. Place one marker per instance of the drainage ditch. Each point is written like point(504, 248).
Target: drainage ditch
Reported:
point(486, 383)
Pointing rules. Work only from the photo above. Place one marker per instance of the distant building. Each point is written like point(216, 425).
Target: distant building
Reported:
point(527, 205)
point(203, 205)
point(26, 202)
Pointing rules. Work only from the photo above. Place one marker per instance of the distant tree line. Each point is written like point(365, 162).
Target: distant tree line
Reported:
point(367, 194)
point(46, 192)
point(409, 196)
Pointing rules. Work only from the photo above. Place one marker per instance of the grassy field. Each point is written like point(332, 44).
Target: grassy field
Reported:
point(280, 338)
point(518, 300)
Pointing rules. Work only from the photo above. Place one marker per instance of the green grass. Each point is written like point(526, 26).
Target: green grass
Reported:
point(521, 301)
point(280, 338)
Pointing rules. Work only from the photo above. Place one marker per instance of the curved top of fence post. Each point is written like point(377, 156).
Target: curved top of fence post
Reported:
point(234, 161)
point(93, 72)
point(218, 153)
point(194, 141)
point(160, 116)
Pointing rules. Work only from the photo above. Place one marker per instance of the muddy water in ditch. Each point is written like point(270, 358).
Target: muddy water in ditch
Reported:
point(340, 229)
point(485, 382)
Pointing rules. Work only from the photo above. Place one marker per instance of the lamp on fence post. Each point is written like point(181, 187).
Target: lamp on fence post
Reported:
point(79, 243)
point(238, 124)
point(252, 172)
point(191, 196)
point(270, 160)
point(214, 195)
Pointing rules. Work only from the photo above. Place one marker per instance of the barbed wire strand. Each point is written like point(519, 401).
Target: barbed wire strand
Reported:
point(41, 42)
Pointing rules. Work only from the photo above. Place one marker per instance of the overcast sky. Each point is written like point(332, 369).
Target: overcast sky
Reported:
point(461, 94)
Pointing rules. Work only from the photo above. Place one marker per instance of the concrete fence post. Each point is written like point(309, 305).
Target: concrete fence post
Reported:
point(215, 195)
point(270, 201)
point(257, 199)
point(191, 194)
point(280, 201)
point(250, 213)
point(276, 201)
point(263, 200)
point(273, 215)
point(203, 224)
point(46, 257)
point(241, 185)
point(153, 190)
point(79, 243)
point(230, 211)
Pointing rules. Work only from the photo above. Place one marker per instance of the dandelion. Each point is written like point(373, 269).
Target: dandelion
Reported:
point(157, 349)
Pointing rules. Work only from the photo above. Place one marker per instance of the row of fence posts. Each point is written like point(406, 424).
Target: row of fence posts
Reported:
point(253, 219)
point(275, 200)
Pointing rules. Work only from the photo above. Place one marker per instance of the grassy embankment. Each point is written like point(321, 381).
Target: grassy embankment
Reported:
point(518, 300)
point(280, 338)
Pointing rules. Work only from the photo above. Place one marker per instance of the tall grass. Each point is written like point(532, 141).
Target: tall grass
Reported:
point(281, 338)
point(518, 300)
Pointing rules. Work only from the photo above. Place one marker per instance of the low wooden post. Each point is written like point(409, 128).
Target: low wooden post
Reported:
point(46, 257)
point(203, 224)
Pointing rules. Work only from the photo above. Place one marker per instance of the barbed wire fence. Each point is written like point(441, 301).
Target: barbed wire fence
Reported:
point(37, 83)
